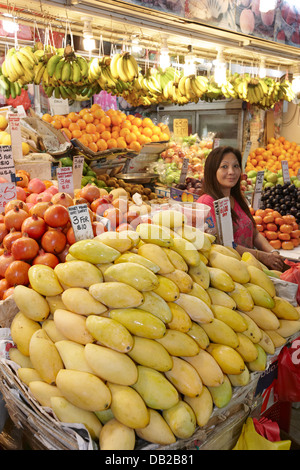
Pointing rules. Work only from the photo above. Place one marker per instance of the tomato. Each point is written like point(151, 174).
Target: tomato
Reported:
point(279, 221)
point(25, 248)
point(34, 226)
point(260, 228)
point(10, 238)
point(295, 233)
point(276, 244)
point(17, 273)
point(284, 236)
point(271, 235)
point(269, 210)
point(257, 219)
point(272, 227)
point(268, 219)
point(276, 214)
point(252, 211)
point(295, 241)
point(289, 219)
point(261, 212)
point(295, 226)
point(48, 259)
point(14, 218)
point(285, 228)
point(56, 216)
point(53, 241)
point(287, 245)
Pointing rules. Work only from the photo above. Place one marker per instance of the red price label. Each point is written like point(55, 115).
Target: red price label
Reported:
point(65, 180)
point(8, 192)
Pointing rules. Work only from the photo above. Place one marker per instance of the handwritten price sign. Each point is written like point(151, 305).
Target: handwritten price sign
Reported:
point(65, 180)
point(8, 192)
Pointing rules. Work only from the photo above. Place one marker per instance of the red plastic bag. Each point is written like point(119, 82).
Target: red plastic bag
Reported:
point(288, 375)
point(292, 275)
point(267, 428)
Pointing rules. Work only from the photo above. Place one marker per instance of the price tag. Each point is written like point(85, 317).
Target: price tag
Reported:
point(216, 143)
point(224, 221)
point(65, 180)
point(184, 170)
point(59, 106)
point(181, 127)
point(7, 165)
point(81, 222)
point(285, 171)
point(8, 192)
point(78, 162)
point(21, 111)
point(256, 199)
point(246, 154)
point(16, 137)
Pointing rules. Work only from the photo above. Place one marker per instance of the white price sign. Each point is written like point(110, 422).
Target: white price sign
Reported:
point(78, 162)
point(224, 221)
point(8, 192)
point(81, 222)
point(246, 154)
point(16, 137)
point(256, 199)
point(65, 180)
point(7, 165)
point(285, 171)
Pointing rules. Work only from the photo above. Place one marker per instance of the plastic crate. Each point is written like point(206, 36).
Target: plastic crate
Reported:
point(280, 412)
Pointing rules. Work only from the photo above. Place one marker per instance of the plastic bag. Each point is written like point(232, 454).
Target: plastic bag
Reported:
point(292, 275)
point(267, 428)
point(288, 374)
point(251, 440)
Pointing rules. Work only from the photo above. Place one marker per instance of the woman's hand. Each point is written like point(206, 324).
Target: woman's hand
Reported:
point(272, 260)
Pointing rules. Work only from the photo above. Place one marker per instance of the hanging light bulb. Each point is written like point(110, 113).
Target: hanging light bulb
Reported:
point(267, 5)
point(189, 67)
point(262, 72)
point(10, 25)
point(220, 69)
point(164, 58)
point(89, 42)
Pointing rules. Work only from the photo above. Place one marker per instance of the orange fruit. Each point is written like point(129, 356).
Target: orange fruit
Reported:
point(74, 127)
point(137, 122)
point(112, 143)
point(121, 143)
point(164, 136)
point(141, 139)
point(83, 111)
point(56, 123)
point(99, 113)
point(130, 117)
point(67, 132)
point(147, 131)
point(93, 146)
point(100, 127)
point(116, 120)
point(156, 130)
point(81, 123)
point(91, 128)
point(131, 137)
point(135, 146)
point(147, 122)
point(47, 117)
point(124, 131)
point(106, 121)
point(126, 124)
point(76, 134)
point(115, 129)
point(101, 144)
point(155, 138)
point(87, 117)
point(73, 116)
point(65, 121)
point(115, 134)
point(95, 106)
point(106, 135)
point(134, 129)
point(83, 140)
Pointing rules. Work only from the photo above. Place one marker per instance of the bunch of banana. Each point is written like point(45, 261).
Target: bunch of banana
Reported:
point(124, 67)
point(241, 87)
point(213, 92)
point(9, 89)
point(19, 64)
point(192, 87)
point(228, 90)
point(164, 76)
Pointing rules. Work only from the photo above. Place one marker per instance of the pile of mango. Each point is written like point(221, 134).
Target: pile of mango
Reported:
point(142, 334)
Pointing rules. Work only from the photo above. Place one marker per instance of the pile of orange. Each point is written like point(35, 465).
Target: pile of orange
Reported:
point(101, 130)
point(271, 156)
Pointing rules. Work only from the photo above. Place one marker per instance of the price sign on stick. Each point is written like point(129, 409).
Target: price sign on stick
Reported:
point(78, 162)
point(7, 165)
point(246, 154)
point(285, 171)
point(16, 137)
point(256, 199)
point(224, 221)
point(181, 127)
point(184, 170)
point(65, 180)
point(81, 222)
point(8, 192)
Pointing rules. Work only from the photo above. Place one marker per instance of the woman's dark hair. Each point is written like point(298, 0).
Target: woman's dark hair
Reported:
point(211, 185)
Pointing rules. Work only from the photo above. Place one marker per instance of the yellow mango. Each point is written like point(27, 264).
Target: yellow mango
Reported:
point(157, 256)
point(31, 303)
point(156, 391)
point(68, 413)
point(133, 274)
point(16, 356)
point(260, 363)
point(78, 273)
point(72, 326)
point(195, 236)
point(153, 233)
point(176, 259)
point(110, 333)
point(148, 352)
point(277, 339)
point(246, 348)
point(55, 302)
point(155, 304)
point(202, 406)
point(139, 322)
point(79, 300)
point(200, 274)
point(44, 280)
point(72, 355)
point(28, 374)
point(230, 361)
point(43, 392)
point(219, 297)
point(284, 310)
point(266, 343)
point(169, 218)
point(201, 293)
point(157, 431)
point(116, 294)
point(133, 235)
point(93, 251)
point(288, 327)
point(242, 297)
point(231, 317)
point(235, 268)
point(52, 331)
point(181, 419)
point(117, 240)
point(110, 365)
point(129, 257)
point(240, 380)
point(222, 394)
point(260, 296)
point(225, 250)
point(253, 332)
point(258, 277)
point(104, 415)
point(184, 377)
point(44, 356)
point(82, 389)
point(181, 279)
point(187, 250)
point(198, 334)
point(198, 310)
point(207, 367)
point(219, 332)
point(180, 320)
point(116, 436)
point(264, 318)
point(219, 279)
point(166, 289)
point(21, 329)
point(251, 260)
point(128, 407)
point(178, 343)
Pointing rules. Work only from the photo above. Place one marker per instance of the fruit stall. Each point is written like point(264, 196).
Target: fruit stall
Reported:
point(108, 287)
